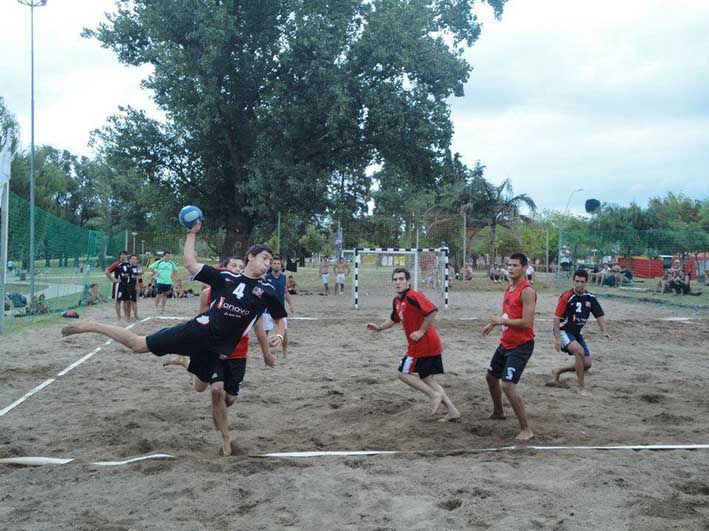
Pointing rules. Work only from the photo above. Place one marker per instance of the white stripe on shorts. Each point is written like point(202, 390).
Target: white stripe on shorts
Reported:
point(408, 364)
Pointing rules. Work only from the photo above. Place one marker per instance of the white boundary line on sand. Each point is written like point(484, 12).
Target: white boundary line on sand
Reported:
point(63, 372)
point(38, 461)
point(655, 447)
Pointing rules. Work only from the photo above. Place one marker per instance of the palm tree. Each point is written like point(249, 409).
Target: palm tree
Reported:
point(496, 206)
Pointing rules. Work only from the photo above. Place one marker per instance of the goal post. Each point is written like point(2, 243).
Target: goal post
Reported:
point(428, 267)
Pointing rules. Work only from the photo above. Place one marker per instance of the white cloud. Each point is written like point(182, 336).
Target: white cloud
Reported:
point(78, 84)
point(608, 96)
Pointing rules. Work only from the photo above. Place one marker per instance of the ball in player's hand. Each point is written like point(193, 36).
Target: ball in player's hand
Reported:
point(190, 215)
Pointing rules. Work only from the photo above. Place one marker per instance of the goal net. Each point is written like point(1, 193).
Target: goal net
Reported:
point(373, 267)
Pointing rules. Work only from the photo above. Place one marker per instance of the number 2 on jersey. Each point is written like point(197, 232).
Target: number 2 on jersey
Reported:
point(239, 290)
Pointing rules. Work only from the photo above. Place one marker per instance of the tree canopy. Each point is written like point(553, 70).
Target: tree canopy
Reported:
point(282, 106)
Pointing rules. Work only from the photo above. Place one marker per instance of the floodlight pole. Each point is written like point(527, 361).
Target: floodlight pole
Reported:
point(32, 4)
point(561, 234)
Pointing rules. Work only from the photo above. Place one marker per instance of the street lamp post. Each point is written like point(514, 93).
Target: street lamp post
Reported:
point(32, 4)
point(561, 234)
point(134, 235)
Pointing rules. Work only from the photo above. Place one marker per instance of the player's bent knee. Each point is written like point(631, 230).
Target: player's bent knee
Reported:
point(199, 385)
point(230, 400)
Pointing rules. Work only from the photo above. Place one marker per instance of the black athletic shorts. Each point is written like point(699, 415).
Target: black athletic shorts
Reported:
point(185, 339)
point(508, 365)
point(422, 366)
point(163, 288)
point(229, 371)
point(114, 290)
point(126, 293)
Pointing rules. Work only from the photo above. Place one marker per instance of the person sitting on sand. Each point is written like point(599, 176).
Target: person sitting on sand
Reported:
point(571, 314)
point(178, 289)
point(423, 357)
point(94, 295)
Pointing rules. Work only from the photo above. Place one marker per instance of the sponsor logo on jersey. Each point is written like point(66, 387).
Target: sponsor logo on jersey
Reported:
point(257, 291)
point(235, 310)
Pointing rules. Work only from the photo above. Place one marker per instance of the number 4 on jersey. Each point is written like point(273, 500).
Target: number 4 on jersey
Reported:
point(239, 290)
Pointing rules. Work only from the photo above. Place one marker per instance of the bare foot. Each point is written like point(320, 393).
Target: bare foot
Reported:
point(525, 435)
point(436, 402)
point(497, 415)
point(452, 416)
point(226, 449)
point(585, 392)
point(556, 373)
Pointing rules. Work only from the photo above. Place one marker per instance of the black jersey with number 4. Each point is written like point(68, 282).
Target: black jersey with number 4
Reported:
point(237, 301)
point(574, 310)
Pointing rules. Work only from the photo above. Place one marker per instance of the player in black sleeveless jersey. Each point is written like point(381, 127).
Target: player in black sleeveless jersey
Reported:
point(572, 312)
point(238, 301)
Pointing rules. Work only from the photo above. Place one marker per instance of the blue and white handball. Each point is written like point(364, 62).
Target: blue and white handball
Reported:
point(190, 215)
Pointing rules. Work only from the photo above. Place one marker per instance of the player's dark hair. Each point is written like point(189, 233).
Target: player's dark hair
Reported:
point(581, 273)
point(521, 257)
point(401, 270)
point(131, 256)
point(257, 249)
point(277, 257)
point(123, 252)
point(228, 259)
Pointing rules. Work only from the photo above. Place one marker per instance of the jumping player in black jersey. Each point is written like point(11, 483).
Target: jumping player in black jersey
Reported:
point(237, 302)
point(574, 308)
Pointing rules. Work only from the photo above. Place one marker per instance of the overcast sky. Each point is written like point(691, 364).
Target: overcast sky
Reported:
point(608, 96)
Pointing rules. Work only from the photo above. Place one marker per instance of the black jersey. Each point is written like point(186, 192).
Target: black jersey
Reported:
point(574, 310)
point(126, 274)
point(237, 301)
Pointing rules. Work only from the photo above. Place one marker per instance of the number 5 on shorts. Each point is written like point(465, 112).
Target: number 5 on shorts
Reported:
point(510, 373)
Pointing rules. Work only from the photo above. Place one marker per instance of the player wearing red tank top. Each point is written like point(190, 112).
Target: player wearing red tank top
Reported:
point(516, 343)
point(423, 357)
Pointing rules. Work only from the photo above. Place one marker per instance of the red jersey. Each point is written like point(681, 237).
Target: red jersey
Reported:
point(512, 309)
point(242, 347)
point(113, 266)
point(410, 309)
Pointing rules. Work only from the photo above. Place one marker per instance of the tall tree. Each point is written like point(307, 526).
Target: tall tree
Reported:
point(268, 104)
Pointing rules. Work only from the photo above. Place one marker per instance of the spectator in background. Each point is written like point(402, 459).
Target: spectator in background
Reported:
point(680, 284)
point(94, 296)
point(530, 272)
point(178, 289)
point(494, 273)
point(292, 285)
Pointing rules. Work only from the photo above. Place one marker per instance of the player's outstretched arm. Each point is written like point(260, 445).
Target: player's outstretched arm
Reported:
point(556, 327)
point(601, 320)
point(189, 254)
point(378, 328)
point(279, 331)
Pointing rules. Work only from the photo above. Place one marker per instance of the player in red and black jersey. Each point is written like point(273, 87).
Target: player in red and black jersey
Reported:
point(572, 312)
point(516, 343)
point(238, 301)
point(110, 274)
point(423, 358)
point(226, 379)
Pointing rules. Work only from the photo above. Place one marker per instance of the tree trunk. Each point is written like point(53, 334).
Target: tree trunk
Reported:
point(491, 243)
